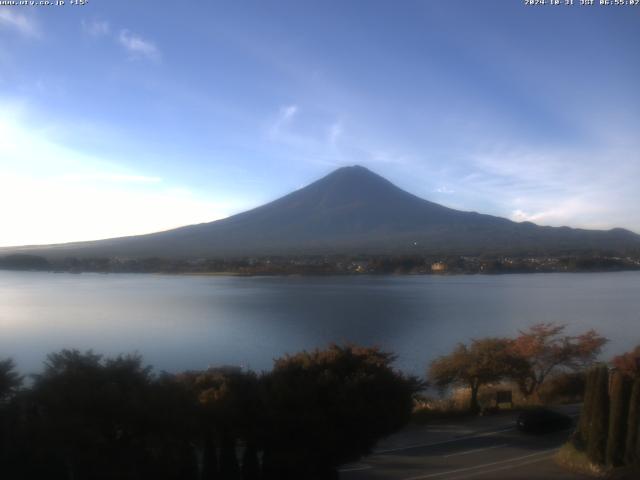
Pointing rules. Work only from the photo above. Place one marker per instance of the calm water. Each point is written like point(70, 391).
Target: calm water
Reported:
point(189, 322)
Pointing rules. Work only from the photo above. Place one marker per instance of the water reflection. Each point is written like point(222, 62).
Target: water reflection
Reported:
point(180, 322)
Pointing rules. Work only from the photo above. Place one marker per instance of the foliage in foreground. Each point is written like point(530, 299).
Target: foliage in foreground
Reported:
point(484, 361)
point(609, 427)
point(530, 360)
point(89, 417)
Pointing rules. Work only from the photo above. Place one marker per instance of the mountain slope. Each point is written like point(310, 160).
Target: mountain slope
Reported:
point(351, 210)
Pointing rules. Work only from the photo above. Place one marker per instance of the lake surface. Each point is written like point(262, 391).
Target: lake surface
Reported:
point(191, 322)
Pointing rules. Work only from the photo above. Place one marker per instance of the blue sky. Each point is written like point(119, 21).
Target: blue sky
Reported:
point(125, 117)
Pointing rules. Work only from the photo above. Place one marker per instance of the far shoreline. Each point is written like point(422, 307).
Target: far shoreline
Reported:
point(337, 264)
point(323, 275)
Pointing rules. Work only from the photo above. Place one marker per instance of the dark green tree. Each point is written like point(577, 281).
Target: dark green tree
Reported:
point(230, 411)
point(67, 395)
point(586, 413)
point(599, 421)
point(632, 445)
point(10, 383)
point(618, 411)
point(202, 387)
point(172, 425)
point(250, 464)
point(328, 407)
point(10, 380)
point(104, 418)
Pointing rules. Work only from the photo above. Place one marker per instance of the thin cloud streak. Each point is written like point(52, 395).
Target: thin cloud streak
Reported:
point(96, 28)
point(138, 47)
point(18, 22)
point(335, 132)
point(108, 177)
point(568, 187)
point(284, 118)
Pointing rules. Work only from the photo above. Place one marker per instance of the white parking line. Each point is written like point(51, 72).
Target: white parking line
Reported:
point(475, 467)
point(459, 439)
point(475, 450)
point(507, 467)
point(355, 468)
point(449, 430)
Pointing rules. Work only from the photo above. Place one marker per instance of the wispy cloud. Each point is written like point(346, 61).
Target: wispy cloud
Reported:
point(563, 212)
point(389, 156)
point(286, 115)
point(138, 47)
point(588, 211)
point(303, 139)
point(108, 177)
point(96, 28)
point(577, 187)
point(335, 132)
point(17, 22)
point(283, 119)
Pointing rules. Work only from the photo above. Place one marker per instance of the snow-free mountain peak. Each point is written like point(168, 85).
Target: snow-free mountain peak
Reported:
point(351, 210)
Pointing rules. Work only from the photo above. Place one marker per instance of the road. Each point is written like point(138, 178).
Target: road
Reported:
point(479, 448)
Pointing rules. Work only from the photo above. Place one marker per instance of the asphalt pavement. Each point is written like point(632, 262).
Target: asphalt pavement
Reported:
point(480, 448)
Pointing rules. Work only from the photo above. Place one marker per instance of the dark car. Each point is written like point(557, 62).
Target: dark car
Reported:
point(543, 420)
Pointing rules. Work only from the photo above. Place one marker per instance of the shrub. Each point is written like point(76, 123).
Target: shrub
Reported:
point(568, 387)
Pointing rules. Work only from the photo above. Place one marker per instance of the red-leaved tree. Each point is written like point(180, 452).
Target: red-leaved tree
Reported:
point(628, 363)
point(545, 349)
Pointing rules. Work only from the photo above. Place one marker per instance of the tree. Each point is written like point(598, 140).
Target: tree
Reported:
point(628, 363)
point(485, 361)
point(545, 350)
point(618, 411)
point(599, 420)
point(173, 427)
point(10, 380)
point(66, 394)
point(328, 407)
point(632, 445)
point(229, 409)
point(98, 417)
point(584, 423)
point(10, 383)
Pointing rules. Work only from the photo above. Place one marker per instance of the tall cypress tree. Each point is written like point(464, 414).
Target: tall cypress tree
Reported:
point(250, 465)
point(210, 457)
point(619, 407)
point(229, 468)
point(633, 425)
point(597, 444)
point(587, 407)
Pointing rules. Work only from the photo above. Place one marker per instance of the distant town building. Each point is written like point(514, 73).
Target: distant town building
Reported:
point(360, 266)
point(439, 267)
